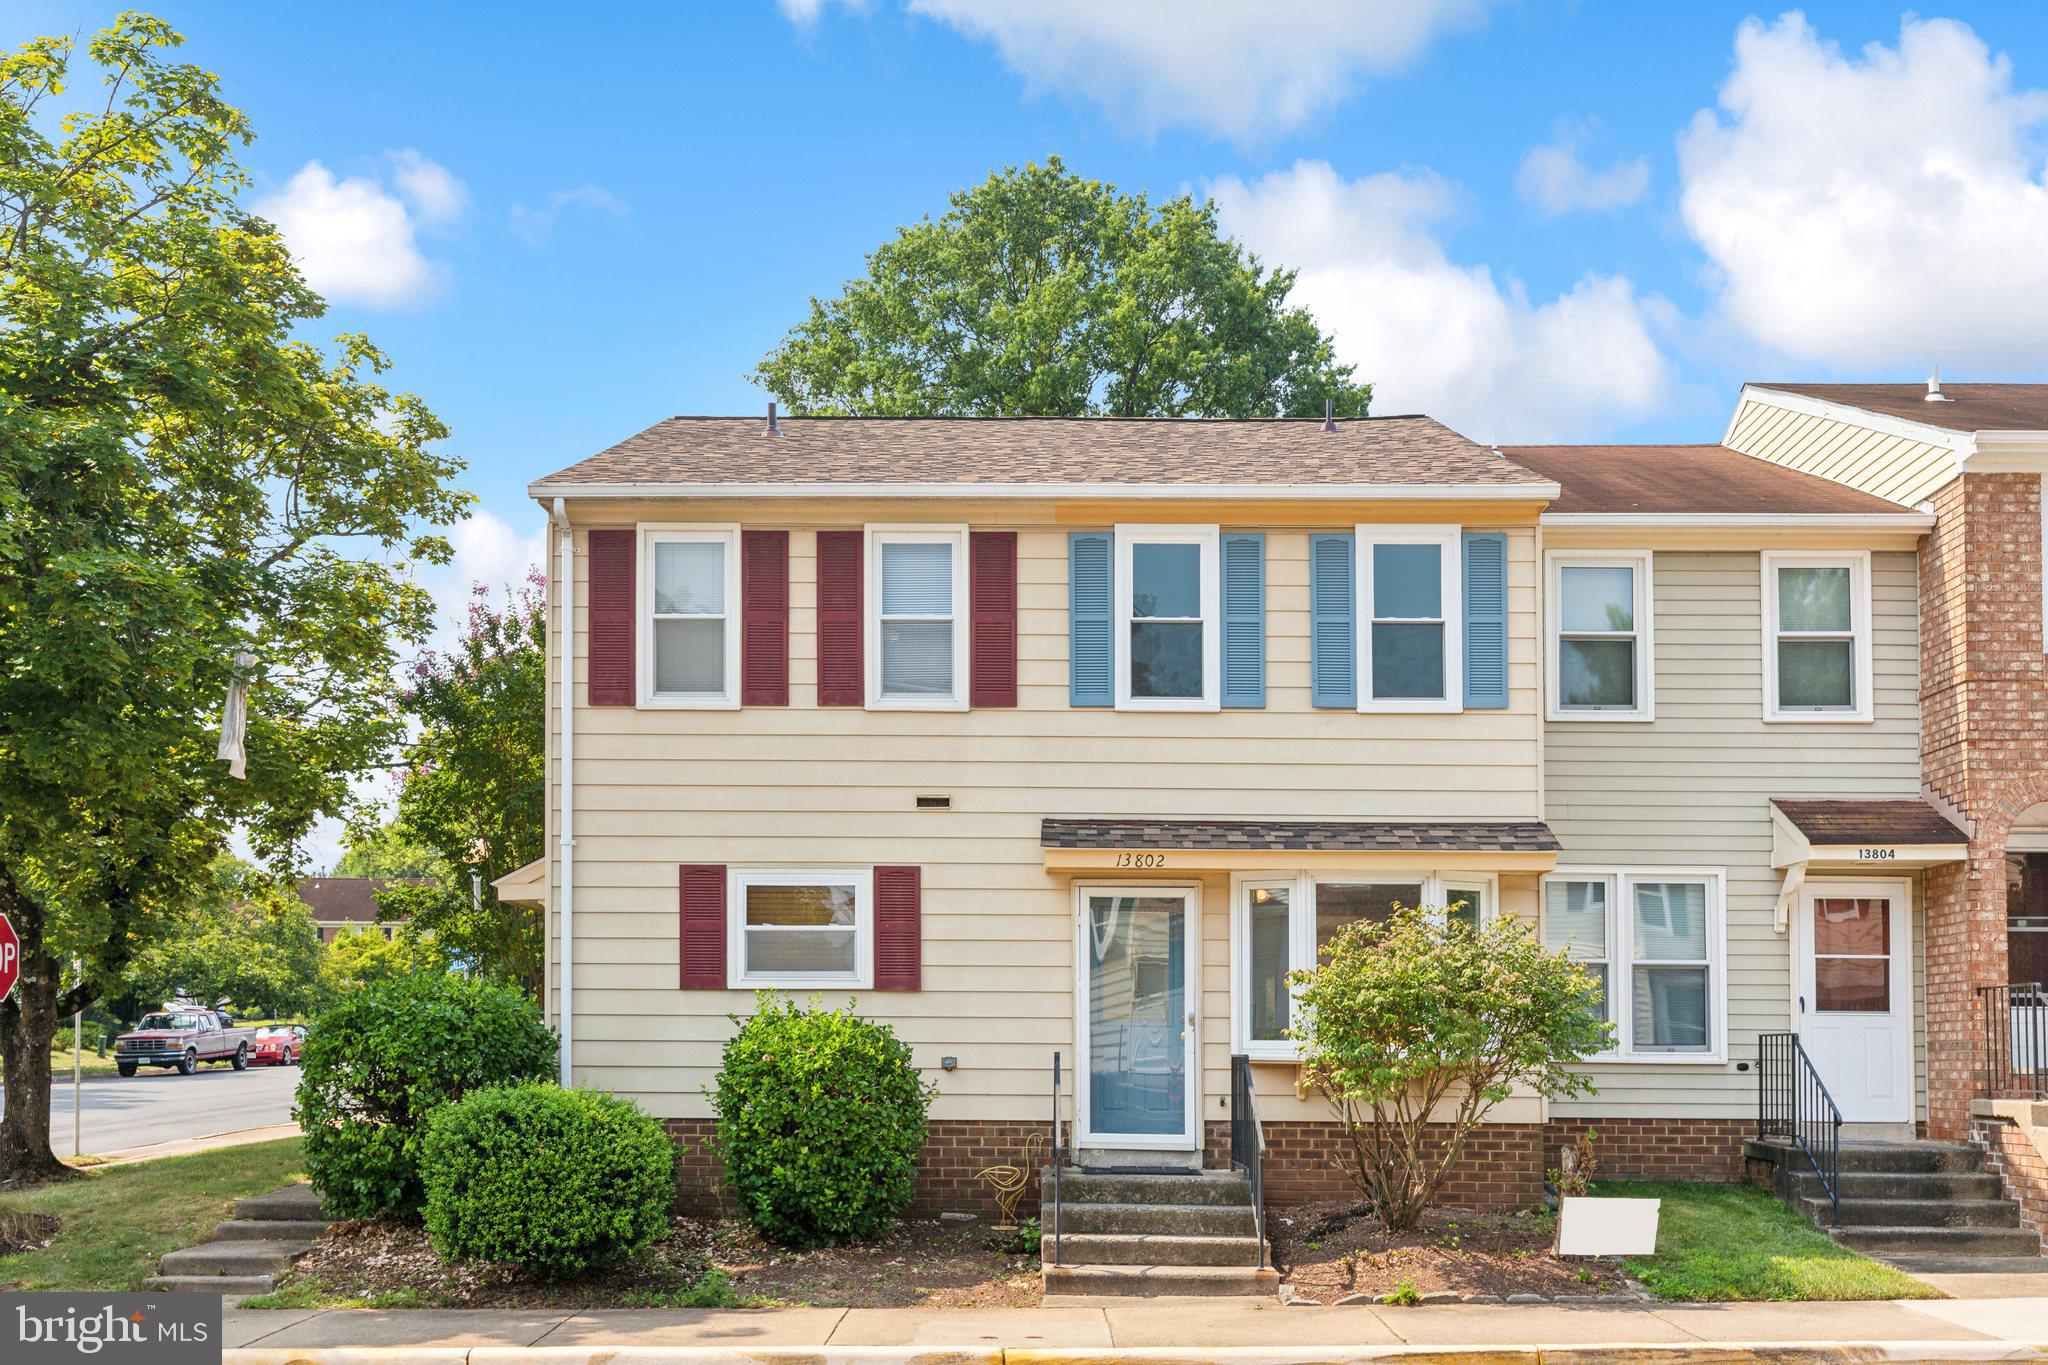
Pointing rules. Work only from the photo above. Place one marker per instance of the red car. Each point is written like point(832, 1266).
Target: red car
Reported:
point(278, 1045)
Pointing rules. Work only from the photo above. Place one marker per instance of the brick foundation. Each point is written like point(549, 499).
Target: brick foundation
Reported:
point(1657, 1149)
point(2011, 1153)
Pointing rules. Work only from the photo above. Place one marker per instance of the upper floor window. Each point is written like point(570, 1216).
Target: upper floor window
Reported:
point(1166, 636)
point(1409, 644)
point(1817, 636)
point(689, 595)
point(917, 655)
point(1600, 646)
point(1655, 941)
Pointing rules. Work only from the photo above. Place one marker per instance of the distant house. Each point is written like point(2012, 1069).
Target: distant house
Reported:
point(340, 903)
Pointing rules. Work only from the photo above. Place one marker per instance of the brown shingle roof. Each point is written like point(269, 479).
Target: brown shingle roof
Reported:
point(1972, 407)
point(1675, 478)
point(1374, 451)
point(1307, 836)
point(1878, 820)
point(353, 899)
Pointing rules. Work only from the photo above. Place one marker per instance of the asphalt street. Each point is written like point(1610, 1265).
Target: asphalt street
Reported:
point(159, 1106)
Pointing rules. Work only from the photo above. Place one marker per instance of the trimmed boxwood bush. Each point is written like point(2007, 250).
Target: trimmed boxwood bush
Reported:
point(820, 1118)
point(383, 1059)
point(556, 1181)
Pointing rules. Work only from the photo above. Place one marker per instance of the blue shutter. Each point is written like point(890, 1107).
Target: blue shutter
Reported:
point(1244, 620)
point(1332, 630)
point(1486, 619)
point(1088, 609)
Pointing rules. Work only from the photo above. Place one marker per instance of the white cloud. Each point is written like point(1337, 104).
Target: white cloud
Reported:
point(432, 189)
point(1556, 179)
point(1243, 70)
point(488, 551)
point(1875, 212)
point(534, 225)
point(1439, 337)
point(354, 240)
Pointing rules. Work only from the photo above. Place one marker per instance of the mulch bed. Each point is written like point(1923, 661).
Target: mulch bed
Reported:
point(1329, 1251)
point(944, 1264)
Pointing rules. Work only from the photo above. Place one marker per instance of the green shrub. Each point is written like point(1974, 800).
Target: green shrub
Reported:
point(555, 1181)
point(383, 1059)
point(820, 1118)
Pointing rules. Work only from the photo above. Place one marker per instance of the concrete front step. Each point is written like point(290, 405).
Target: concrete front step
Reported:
point(267, 1230)
point(1159, 1281)
point(293, 1204)
point(1909, 1185)
point(1911, 1157)
point(233, 1286)
point(1208, 1188)
point(233, 1258)
point(1113, 1248)
point(1924, 1241)
point(1179, 1220)
point(1916, 1213)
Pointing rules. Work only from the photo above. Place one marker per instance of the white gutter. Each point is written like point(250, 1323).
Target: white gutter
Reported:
point(1901, 520)
point(1346, 492)
point(565, 638)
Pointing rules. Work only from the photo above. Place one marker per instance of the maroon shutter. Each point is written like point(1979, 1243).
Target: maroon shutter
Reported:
point(840, 630)
point(609, 673)
point(764, 618)
point(899, 929)
point(992, 621)
point(701, 931)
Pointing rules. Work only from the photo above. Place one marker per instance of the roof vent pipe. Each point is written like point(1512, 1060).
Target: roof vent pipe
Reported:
point(774, 427)
point(1329, 414)
point(1934, 393)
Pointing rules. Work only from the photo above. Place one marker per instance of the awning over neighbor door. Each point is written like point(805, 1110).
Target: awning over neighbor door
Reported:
point(1137, 843)
point(1861, 834)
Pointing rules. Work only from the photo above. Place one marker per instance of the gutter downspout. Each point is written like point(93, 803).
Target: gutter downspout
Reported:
point(566, 913)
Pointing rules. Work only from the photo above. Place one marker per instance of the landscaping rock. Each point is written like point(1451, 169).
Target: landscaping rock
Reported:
point(952, 1217)
point(1527, 1298)
point(1441, 1296)
point(1481, 1298)
point(1350, 1299)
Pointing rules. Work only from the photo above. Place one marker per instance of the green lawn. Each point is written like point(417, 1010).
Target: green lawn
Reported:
point(60, 1063)
point(115, 1223)
point(1731, 1242)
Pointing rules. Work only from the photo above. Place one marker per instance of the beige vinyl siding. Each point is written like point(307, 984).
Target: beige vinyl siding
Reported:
point(1890, 466)
point(835, 787)
point(1691, 789)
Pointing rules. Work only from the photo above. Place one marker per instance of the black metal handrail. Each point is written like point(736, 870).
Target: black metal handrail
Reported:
point(2015, 1041)
point(1248, 1144)
point(1793, 1102)
point(1057, 1158)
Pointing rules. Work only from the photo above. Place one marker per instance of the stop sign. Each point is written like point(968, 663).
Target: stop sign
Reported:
point(10, 957)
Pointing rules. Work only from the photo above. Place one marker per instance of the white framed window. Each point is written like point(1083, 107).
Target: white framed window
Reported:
point(1656, 938)
point(799, 927)
point(1817, 636)
point(1280, 922)
point(1168, 639)
point(688, 608)
point(917, 637)
point(1410, 619)
point(1600, 648)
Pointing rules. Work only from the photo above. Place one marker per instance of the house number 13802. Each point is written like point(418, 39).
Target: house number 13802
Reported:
point(1141, 860)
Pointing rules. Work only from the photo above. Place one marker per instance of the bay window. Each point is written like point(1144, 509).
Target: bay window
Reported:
point(1817, 636)
point(689, 605)
point(1655, 941)
point(917, 646)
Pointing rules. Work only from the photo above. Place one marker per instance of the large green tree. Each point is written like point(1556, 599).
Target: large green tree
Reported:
point(182, 478)
point(474, 787)
point(248, 941)
point(1042, 293)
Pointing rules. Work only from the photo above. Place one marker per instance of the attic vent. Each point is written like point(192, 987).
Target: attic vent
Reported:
point(774, 427)
point(935, 803)
point(1934, 393)
point(1329, 414)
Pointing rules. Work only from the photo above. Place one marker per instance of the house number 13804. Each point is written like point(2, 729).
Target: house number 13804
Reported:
point(1141, 860)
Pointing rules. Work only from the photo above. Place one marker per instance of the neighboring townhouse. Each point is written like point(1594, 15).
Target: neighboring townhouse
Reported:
point(1046, 736)
point(342, 905)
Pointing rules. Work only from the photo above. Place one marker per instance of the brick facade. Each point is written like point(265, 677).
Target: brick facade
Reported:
point(2019, 1162)
point(1656, 1149)
point(1984, 747)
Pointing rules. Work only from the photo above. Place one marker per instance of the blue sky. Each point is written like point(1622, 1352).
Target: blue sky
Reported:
point(1536, 219)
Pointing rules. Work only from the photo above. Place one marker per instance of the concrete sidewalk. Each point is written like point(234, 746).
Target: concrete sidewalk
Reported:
point(1175, 1329)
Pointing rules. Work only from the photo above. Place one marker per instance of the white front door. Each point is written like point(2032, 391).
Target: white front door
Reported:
point(1853, 950)
point(1137, 1079)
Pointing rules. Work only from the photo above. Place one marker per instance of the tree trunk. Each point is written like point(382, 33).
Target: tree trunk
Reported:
point(28, 1023)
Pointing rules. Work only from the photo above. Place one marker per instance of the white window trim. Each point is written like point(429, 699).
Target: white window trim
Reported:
point(1301, 934)
point(738, 879)
point(1643, 563)
point(926, 534)
point(1209, 540)
point(656, 533)
point(1451, 603)
point(1858, 564)
point(1621, 956)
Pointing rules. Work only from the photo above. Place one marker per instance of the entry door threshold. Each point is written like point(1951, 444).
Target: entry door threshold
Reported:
point(1138, 1170)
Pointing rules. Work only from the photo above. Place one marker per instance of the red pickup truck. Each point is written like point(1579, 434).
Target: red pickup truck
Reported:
point(183, 1036)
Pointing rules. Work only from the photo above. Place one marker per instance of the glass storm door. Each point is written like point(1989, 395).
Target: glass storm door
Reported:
point(1138, 1036)
point(1855, 996)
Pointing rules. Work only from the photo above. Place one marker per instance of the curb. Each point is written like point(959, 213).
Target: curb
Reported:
point(1701, 1353)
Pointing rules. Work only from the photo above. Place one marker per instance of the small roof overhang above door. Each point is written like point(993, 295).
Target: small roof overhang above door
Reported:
point(1863, 834)
point(1137, 844)
point(526, 885)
